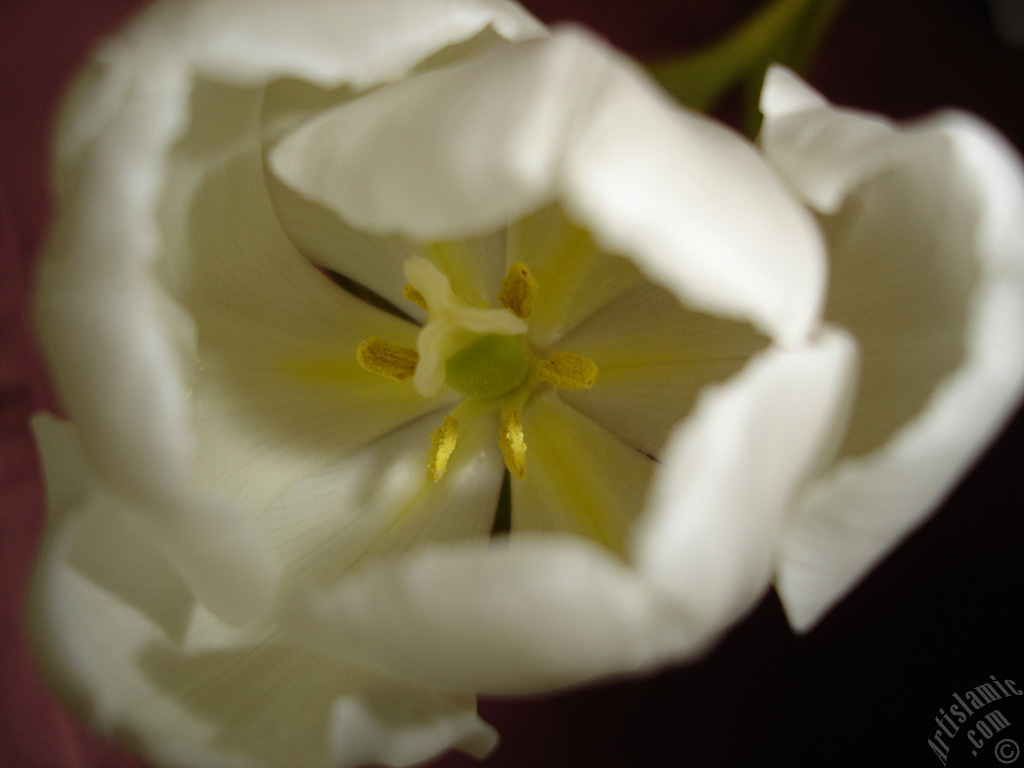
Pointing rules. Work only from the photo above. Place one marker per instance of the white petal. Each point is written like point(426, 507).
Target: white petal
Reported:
point(85, 640)
point(479, 153)
point(528, 614)
point(372, 261)
point(216, 550)
point(557, 120)
point(401, 725)
point(825, 152)
point(379, 502)
point(929, 249)
point(279, 393)
point(369, 260)
point(273, 408)
point(354, 43)
point(653, 358)
point(850, 519)
point(732, 470)
point(697, 209)
point(108, 610)
point(358, 42)
point(112, 335)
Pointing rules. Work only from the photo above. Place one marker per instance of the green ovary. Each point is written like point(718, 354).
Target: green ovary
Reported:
point(490, 367)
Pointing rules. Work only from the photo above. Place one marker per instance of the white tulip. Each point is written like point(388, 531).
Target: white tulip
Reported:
point(263, 552)
point(925, 231)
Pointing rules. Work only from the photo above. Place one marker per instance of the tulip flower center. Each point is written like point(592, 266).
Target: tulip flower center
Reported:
point(480, 352)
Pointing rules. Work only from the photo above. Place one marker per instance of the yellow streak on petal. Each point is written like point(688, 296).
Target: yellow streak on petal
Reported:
point(325, 372)
point(568, 371)
point(582, 477)
point(442, 444)
point(513, 444)
point(518, 290)
point(411, 294)
point(387, 359)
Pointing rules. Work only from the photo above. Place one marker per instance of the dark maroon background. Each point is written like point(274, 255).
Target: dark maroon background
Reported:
point(863, 689)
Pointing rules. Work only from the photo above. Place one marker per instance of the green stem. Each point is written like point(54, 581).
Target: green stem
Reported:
point(783, 31)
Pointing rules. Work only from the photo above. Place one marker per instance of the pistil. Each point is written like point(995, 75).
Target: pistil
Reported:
point(490, 367)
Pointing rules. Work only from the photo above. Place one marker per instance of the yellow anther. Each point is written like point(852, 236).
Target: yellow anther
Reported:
point(387, 359)
point(442, 443)
point(411, 294)
point(518, 290)
point(513, 444)
point(568, 371)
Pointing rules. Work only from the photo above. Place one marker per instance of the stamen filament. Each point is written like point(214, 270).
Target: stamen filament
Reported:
point(387, 359)
point(518, 290)
point(442, 444)
point(568, 371)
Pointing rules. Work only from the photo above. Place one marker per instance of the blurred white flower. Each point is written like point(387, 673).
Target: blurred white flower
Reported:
point(323, 273)
point(925, 232)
